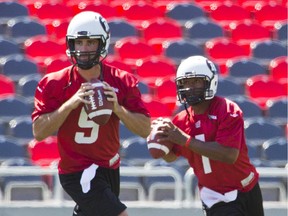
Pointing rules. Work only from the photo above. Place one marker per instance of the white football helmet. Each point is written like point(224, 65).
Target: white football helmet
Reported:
point(88, 25)
point(200, 67)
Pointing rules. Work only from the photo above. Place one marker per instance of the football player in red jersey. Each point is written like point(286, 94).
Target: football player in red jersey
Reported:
point(89, 158)
point(210, 134)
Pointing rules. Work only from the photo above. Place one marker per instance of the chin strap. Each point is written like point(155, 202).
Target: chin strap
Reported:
point(101, 72)
point(186, 108)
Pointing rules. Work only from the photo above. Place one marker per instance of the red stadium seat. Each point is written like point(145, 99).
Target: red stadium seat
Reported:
point(129, 49)
point(208, 5)
point(7, 86)
point(43, 152)
point(278, 68)
point(117, 62)
point(222, 49)
point(226, 13)
point(165, 91)
point(50, 11)
point(250, 5)
point(41, 47)
point(284, 83)
point(121, 5)
point(157, 108)
point(247, 31)
point(140, 11)
point(149, 69)
point(161, 29)
point(25, 2)
point(208, 1)
point(261, 88)
point(53, 64)
point(106, 10)
point(57, 28)
point(137, 11)
point(267, 14)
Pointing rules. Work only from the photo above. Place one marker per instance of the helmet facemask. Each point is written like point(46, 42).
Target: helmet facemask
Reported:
point(193, 96)
point(93, 57)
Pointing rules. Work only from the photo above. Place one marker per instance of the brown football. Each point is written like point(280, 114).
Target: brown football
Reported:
point(156, 149)
point(100, 109)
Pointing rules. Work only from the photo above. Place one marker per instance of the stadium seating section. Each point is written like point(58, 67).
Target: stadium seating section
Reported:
point(247, 40)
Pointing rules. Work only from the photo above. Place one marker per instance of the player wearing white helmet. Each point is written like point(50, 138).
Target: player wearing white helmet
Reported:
point(89, 153)
point(210, 135)
point(196, 67)
point(88, 25)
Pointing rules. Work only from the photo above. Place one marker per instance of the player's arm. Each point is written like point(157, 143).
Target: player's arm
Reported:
point(137, 123)
point(47, 124)
point(212, 150)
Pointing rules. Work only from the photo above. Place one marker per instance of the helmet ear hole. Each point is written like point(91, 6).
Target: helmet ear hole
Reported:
point(70, 45)
point(207, 84)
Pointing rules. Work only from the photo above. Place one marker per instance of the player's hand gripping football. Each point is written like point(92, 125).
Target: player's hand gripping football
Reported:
point(85, 90)
point(170, 132)
point(111, 96)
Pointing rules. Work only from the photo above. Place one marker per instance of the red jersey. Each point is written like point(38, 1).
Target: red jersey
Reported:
point(222, 122)
point(81, 142)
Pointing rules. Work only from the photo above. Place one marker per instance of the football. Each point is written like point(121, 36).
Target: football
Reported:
point(100, 109)
point(156, 149)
